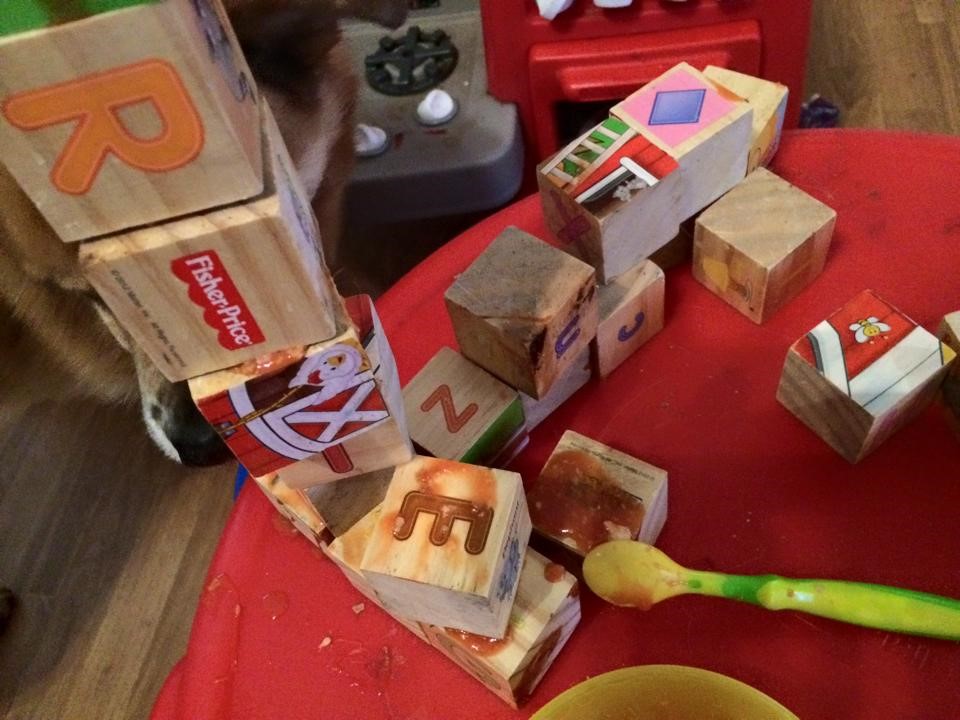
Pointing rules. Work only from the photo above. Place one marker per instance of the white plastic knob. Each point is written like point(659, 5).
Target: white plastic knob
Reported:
point(369, 140)
point(437, 108)
point(549, 9)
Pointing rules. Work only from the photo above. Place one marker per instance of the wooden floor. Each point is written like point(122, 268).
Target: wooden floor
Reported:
point(107, 542)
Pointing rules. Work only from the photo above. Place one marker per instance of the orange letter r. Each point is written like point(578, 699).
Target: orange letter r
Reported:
point(92, 102)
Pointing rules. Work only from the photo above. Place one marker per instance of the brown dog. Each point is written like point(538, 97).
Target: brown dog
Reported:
point(301, 66)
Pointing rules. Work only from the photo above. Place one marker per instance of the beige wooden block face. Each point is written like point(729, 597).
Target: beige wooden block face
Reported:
point(523, 311)
point(171, 124)
point(769, 102)
point(297, 508)
point(575, 377)
point(949, 332)
point(449, 544)
point(862, 374)
point(459, 411)
point(544, 616)
point(598, 213)
point(761, 244)
point(631, 312)
point(706, 128)
point(291, 406)
point(347, 550)
point(589, 493)
point(211, 291)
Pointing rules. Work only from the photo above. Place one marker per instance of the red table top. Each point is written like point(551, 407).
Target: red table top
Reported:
point(751, 491)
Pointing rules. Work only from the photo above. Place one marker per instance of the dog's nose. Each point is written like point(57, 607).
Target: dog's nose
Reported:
point(198, 444)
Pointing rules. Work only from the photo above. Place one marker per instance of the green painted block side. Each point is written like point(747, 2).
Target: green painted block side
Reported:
point(17, 16)
point(492, 441)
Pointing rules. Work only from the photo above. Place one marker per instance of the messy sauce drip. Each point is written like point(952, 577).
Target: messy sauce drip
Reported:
point(576, 501)
point(271, 362)
point(480, 645)
point(554, 572)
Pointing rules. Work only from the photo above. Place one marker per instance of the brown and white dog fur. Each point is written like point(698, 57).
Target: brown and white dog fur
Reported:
point(302, 67)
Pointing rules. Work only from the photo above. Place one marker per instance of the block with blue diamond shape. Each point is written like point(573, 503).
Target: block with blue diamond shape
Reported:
point(677, 107)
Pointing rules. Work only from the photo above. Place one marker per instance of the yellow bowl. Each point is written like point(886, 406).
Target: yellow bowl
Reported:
point(662, 692)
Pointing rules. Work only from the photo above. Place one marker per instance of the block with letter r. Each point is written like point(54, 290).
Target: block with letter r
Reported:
point(160, 121)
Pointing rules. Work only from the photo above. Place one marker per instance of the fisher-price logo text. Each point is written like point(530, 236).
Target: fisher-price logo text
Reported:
point(210, 288)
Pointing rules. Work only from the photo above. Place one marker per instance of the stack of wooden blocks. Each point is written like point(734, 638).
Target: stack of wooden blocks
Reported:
point(157, 156)
point(617, 196)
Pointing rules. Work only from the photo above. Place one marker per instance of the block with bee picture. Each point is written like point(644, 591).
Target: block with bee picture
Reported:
point(862, 374)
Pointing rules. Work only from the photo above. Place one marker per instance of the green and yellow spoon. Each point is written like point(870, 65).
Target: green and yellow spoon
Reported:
point(633, 574)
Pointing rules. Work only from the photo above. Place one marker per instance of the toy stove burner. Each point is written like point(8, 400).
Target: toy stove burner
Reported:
point(415, 63)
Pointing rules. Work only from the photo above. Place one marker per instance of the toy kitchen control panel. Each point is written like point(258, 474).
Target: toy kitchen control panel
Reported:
point(430, 140)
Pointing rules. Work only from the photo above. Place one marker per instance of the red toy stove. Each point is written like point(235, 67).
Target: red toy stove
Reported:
point(560, 72)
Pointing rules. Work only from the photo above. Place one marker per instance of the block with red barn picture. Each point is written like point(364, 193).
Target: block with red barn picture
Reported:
point(303, 402)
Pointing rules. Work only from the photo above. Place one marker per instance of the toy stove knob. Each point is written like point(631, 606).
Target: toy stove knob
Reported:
point(437, 108)
point(369, 140)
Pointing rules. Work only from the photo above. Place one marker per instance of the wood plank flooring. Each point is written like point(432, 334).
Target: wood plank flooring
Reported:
point(107, 542)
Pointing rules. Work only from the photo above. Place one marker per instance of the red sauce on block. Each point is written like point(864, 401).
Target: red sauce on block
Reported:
point(271, 362)
point(576, 500)
point(554, 572)
point(479, 645)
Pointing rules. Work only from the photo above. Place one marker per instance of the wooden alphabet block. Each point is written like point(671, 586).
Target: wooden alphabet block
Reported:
point(211, 291)
point(297, 508)
point(631, 312)
point(769, 102)
point(292, 405)
point(704, 127)
point(575, 377)
point(128, 117)
point(762, 243)
point(589, 493)
point(949, 333)
point(515, 445)
point(612, 197)
point(459, 411)
point(862, 374)
point(524, 310)
point(383, 446)
point(449, 544)
point(347, 552)
point(544, 616)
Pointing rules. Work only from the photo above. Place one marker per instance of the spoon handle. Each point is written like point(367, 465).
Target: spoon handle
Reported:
point(876, 606)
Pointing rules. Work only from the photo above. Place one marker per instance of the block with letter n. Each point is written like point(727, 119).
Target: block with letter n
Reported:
point(459, 411)
point(449, 544)
point(290, 406)
point(862, 374)
point(160, 120)
point(210, 291)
